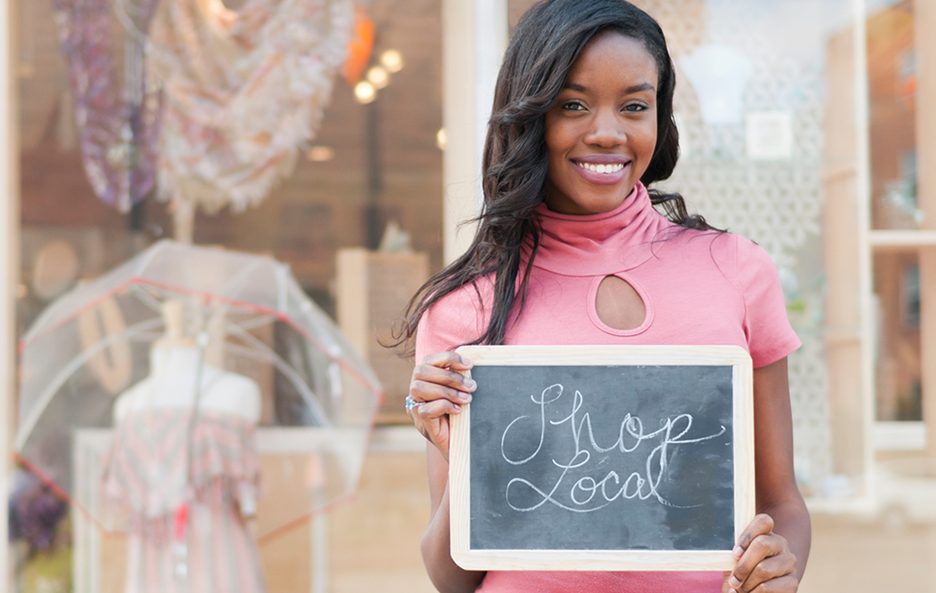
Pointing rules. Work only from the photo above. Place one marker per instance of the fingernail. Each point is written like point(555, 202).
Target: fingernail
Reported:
point(737, 552)
point(470, 384)
point(733, 583)
point(466, 361)
point(457, 407)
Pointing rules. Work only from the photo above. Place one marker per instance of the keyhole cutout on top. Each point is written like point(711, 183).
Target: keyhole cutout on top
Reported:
point(618, 305)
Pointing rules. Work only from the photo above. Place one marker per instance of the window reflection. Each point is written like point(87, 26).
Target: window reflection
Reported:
point(897, 286)
point(892, 81)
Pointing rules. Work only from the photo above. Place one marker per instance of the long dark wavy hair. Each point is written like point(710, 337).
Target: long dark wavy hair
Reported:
point(541, 52)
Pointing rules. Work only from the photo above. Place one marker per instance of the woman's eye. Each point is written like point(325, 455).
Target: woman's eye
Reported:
point(573, 106)
point(635, 107)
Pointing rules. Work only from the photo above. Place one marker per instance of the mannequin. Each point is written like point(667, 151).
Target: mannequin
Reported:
point(174, 362)
point(183, 466)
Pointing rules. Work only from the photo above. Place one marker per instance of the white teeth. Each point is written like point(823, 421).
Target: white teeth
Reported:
point(609, 168)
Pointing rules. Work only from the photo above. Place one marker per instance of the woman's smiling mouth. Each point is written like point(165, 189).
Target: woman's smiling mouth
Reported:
point(603, 173)
point(602, 168)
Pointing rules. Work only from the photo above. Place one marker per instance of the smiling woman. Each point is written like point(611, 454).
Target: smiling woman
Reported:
point(601, 133)
point(570, 250)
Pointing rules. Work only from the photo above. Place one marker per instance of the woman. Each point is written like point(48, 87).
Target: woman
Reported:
point(570, 250)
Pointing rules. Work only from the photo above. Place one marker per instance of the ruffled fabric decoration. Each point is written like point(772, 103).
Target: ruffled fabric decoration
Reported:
point(118, 121)
point(243, 91)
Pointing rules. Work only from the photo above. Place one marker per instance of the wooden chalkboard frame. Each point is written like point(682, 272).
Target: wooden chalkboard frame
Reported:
point(616, 560)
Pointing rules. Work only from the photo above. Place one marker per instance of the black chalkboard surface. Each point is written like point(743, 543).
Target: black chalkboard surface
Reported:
point(602, 458)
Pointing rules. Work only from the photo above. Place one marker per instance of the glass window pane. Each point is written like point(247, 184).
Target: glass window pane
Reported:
point(892, 81)
point(897, 288)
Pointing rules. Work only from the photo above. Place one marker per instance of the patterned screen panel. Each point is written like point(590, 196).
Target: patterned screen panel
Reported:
point(750, 105)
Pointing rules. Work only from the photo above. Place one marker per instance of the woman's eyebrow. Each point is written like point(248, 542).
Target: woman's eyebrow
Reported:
point(644, 86)
point(637, 88)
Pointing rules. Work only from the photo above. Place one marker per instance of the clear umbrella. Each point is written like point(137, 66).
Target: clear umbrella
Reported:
point(252, 319)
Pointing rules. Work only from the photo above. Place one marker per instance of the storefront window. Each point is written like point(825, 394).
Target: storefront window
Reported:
point(367, 181)
point(892, 92)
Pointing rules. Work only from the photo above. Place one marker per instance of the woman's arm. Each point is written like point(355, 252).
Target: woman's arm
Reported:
point(439, 389)
point(444, 573)
point(775, 545)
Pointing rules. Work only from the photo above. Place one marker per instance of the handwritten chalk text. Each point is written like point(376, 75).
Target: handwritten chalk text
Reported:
point(598, 488)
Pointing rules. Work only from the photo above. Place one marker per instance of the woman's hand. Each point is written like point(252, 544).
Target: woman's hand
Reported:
point(765, 562)
point(439, 389)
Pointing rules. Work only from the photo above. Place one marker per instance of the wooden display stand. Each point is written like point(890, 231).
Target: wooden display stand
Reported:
point(373, 290)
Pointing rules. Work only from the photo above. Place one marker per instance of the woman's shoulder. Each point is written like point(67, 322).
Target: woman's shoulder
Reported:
point(470, 298)
point(731, 251)
point(457, 318)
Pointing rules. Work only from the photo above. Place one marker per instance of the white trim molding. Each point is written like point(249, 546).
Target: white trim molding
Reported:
point(474, 36)
point(9, 259)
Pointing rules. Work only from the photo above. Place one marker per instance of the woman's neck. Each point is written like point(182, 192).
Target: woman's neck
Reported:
point(182, 359)
point(598, 244)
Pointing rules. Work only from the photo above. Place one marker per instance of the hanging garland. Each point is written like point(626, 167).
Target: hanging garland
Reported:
point(243, 90)
point(118, 124)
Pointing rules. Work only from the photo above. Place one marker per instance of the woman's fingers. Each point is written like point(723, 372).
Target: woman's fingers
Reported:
point(438, 389)
point(774, 573)
point(785, 584)
point(434, 410)
point(764, 560)
point(432, 421)
point(442, 385)
point(761, 524)
point(438, 378)
point(432, 414)
point(452, 360)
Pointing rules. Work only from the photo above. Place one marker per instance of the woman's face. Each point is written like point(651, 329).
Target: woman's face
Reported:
point(601, 132)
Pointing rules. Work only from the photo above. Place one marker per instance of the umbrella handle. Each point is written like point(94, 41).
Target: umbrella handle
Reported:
point(179, 544)
point(181, 522)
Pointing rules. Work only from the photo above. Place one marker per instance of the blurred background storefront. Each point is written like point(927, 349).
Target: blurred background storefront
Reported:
point(802, 127)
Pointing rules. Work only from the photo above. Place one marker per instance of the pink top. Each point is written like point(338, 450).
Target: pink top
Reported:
point(698, 288)
point(152, 468)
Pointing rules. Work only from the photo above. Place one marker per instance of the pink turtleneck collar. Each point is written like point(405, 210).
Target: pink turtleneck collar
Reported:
point(598, 244)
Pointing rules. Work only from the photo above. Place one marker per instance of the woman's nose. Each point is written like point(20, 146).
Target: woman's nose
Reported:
point(606, 130)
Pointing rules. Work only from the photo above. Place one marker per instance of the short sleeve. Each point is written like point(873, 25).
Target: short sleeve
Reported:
point(456, 319)
point(766, 325)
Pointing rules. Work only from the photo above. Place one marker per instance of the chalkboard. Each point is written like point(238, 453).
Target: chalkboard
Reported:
point(602, 458)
